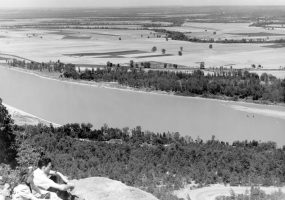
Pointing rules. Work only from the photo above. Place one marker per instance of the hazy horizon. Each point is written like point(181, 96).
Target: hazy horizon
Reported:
point(131, 3)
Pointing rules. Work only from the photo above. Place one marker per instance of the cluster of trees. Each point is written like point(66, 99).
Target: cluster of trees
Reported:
point(100, 23)
point(156, 162)
point(243, 40)
point(235, 84)
point(163, 51)
point(255, 193)
point(59, 27)
point(269, 23)
point(176, 35)
point(48, 66)
point(7, 137)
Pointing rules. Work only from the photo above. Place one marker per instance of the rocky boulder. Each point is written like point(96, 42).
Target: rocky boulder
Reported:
point(99, 188)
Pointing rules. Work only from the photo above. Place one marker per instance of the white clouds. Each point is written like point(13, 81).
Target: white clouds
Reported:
point(122, 3)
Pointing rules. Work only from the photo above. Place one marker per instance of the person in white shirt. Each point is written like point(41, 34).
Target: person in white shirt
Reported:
point(44, 183)
point(23, 190)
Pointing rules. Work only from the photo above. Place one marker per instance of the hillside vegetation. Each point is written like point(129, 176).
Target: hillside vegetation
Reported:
point(155, 162)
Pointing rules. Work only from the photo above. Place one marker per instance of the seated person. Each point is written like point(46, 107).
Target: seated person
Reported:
point(23, 190)
point(44, 183)
point(35, 190)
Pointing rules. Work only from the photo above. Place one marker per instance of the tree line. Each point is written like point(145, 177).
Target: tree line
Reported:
point(255, 193)
point(176, 35)
point(233, 84)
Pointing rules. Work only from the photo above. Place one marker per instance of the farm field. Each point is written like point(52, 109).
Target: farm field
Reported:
point(220, 31)
point(98, 46)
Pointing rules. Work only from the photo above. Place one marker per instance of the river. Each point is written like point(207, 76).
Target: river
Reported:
point(63, 102)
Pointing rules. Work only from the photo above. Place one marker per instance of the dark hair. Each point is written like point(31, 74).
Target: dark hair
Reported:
point(43, 162)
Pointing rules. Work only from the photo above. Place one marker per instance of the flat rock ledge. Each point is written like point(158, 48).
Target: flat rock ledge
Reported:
point(100, 188)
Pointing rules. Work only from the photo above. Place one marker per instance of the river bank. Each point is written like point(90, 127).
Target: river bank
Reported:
point(116, 86)
point(23, 118)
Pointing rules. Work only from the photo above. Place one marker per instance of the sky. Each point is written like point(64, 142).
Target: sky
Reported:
point(129, 3)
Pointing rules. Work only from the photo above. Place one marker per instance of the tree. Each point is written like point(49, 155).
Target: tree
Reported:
point(70, 71)
point(264, 77)
point(131, 63)
point(233, 195)
point(154, 49)
point(27, 154)
point(7, 137)
point(163, 51)
point(9, 175)
point(283, 89)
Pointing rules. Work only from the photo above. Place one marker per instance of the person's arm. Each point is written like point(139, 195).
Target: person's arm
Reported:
point(56, 173)
point(64, 178)
point(62, 187)
point(43, 182)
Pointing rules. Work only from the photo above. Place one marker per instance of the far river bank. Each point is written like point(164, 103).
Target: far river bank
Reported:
point(114, 85)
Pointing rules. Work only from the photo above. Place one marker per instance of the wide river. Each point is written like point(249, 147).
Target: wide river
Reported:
point(64, 102)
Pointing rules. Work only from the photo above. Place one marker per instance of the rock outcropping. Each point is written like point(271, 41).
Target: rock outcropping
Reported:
point(99, 188)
